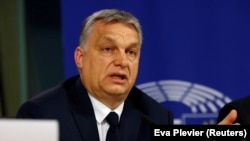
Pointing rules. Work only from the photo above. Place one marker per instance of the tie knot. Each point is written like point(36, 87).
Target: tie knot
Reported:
point(112, 119)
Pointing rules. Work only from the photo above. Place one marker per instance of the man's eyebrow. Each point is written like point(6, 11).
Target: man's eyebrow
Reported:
point(112, 40)
point(108, 38)
point(135, 44)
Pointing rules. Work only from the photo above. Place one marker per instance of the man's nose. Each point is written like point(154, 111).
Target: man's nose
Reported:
point(121, 59)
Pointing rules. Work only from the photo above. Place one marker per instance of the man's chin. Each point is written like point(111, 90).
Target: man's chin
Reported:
point(118, 92)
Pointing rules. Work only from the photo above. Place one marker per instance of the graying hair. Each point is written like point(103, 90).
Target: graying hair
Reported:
point(108, 15)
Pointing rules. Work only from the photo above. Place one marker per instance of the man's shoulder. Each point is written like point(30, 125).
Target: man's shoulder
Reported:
point(57, 90)
point(140, 96)
point(150, 107)
point(48, 103)
point(146, 102)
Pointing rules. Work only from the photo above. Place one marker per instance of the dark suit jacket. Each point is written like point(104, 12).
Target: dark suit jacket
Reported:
point(241, 106)
point(70, 105)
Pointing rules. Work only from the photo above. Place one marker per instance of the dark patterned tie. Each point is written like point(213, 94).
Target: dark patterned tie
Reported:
point(113, 132)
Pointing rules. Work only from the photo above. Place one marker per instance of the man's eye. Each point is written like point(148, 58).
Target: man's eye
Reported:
point(107, 49)
point(131, 53)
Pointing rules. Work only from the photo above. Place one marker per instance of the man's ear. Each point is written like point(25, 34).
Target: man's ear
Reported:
point(78, 55)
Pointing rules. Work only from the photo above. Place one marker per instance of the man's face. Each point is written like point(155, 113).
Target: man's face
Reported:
point(109, 65)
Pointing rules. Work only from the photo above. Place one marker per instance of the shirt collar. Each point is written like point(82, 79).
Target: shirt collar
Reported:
point(101, 110)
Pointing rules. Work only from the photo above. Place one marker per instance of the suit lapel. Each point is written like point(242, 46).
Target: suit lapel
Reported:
point(82, 112)
point(130, 122)
point(135, 122)
point(86, 126)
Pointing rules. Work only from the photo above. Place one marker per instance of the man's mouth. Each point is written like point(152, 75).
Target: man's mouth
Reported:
point(118, 76)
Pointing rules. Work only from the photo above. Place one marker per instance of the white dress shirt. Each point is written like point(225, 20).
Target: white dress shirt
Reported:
point(101, 111)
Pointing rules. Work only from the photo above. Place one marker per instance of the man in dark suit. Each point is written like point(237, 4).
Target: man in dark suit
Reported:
point(239, 108)
point(107, 59)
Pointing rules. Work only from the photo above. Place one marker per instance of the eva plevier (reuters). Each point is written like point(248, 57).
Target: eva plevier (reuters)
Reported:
point(200, 131)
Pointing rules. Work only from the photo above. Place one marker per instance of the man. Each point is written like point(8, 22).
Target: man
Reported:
point(107, 59)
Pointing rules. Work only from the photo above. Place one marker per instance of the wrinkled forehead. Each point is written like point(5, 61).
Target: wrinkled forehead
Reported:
point(115, 31)
point(123, 29)
point(102, 22)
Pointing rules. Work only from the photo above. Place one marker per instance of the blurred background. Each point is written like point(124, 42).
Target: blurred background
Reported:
point(194, 59)
point(30, 50)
